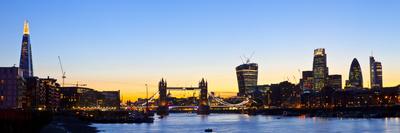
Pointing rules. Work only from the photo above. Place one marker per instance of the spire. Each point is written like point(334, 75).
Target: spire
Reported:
point(26, 27)
point(25, 62)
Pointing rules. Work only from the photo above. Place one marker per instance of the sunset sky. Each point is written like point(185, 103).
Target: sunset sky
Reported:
point(125, 44)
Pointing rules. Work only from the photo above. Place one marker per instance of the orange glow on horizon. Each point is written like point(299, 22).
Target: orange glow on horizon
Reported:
point(223, 83)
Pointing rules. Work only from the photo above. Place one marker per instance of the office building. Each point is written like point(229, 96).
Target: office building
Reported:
point(110, 99)
point(375, 73)
point(12, 88)
point(307, 80)
point(335, 82)
point(52, 93)
point(320, 69)
point(355, 75)
point(36, 94)
point(247, 75)
point(88, 99)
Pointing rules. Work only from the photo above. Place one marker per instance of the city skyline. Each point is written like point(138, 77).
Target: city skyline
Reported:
point(116, 71)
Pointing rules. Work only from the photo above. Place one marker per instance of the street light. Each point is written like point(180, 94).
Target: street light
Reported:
point(147, 98)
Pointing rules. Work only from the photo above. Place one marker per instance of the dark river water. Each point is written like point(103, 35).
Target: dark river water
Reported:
point(237, 123)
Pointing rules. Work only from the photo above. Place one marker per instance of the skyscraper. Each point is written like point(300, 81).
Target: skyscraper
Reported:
point(335, 81)
point(247, 75)
point(375, 73)
point(320, 69)
point(25, 63)
point(307, 80)
point(355, 75)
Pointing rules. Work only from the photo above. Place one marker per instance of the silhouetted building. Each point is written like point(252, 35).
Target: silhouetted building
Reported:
point(320, 69)
point(285, 95)
point(26, 53)
point(52, 93)
point(258, 96)
point(12, 88)
point(247, 75)
point(307, 80)
point(80, 98)
point(43, 93)
point(349, 98)
point(262, 88)
point(36, 94)
point(335, 82)
point(355, 75)
point(110, 99)
point(375, 73)
point(262, 94)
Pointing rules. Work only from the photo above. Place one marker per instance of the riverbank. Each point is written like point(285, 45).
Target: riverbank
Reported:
point(121, 116)
point(68, 124)
point(22, 121)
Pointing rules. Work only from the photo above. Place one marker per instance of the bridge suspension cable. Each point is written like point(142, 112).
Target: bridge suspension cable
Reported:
point(151, 98)
point(221, 101)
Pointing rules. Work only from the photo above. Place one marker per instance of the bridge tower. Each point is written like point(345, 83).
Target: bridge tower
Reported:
point(162, 101)
point(204, 107)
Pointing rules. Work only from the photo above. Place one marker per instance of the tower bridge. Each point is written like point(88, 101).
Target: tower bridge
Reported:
point(203, 106)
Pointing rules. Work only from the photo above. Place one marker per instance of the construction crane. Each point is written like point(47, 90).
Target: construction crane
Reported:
point(62, 70)
point(247, 59)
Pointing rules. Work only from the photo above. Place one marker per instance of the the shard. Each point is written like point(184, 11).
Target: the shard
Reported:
point(25, 63)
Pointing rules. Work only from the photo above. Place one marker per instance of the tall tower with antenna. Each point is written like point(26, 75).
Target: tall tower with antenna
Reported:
point(376, 77)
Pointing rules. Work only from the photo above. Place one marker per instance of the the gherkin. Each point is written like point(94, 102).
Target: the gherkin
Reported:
point(355, 75)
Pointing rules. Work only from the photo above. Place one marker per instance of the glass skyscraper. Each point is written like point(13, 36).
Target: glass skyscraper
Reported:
point(25, 63)
point(375, 73)
point(320, 69)
point(247, 75)
point(355, 75)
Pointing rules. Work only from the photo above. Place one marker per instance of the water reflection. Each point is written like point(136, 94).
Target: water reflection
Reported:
point(236, 123)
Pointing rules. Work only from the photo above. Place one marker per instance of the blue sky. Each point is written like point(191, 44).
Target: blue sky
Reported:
point(123, 44)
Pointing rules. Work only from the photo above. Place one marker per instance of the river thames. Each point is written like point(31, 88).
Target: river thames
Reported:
point(238, 123)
